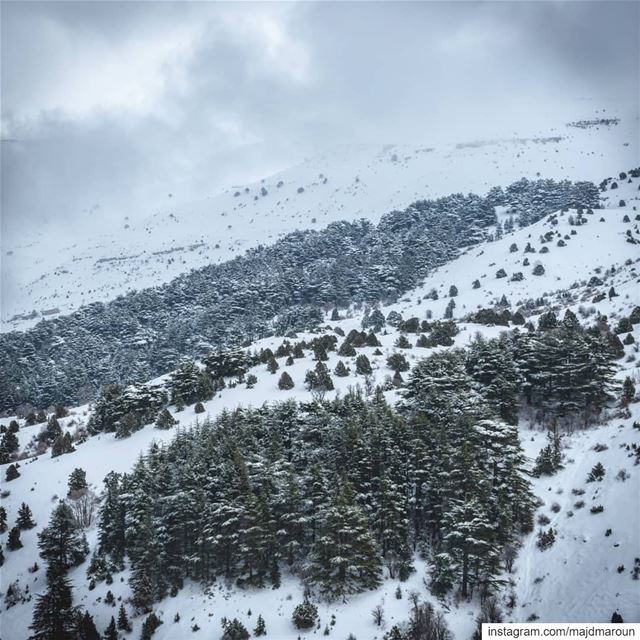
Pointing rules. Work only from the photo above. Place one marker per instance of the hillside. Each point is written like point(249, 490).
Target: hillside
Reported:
point(590, 268)
point(179, 233)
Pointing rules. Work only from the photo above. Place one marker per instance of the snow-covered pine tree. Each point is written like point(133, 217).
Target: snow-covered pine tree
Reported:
point(341, 370)
point(123, 620)
point(285, 383)
point(3, 519)
point(86, 628)
point(111, 632)
point(363, 366)
point(54, 615)
point(13, 540)
point(345, 558)
point(25, 517)
point(77, 480)
point(61, 543)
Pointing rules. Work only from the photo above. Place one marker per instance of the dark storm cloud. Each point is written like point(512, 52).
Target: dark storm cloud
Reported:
point(118, 104)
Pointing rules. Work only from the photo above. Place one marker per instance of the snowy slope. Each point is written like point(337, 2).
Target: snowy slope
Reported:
point(580, 578)
point(595, 248)
point(585, 574)
point(114, 254)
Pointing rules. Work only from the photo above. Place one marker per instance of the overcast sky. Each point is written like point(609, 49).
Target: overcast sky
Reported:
point(118, 103)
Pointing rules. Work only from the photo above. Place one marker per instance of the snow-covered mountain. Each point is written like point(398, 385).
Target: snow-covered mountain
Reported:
point(589, 265)
point(118, 253)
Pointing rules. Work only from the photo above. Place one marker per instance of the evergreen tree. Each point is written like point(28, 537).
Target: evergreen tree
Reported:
point(547, 321)
point(148, 582)
point(443, 574)
point(62, 545)
point(190, 384)
point(341, 370)
point(77, 480)
point(285, 382)
point(111, 633)
point(54, 616)
point(165, 420)
point(251, 381)
point(272, 365)
point(234, 630)
point(111, 534)
point(477, 497)
point(8, 446)
point(545, 539)
point(3, 519)
point(492, 367)
point(305, 615)
point(25, 517)
point(392, 522)
point(628, 391)
point(320, 353)
point(402, 343)
point(86, 628)
point(471, 544)
point(397, 362)
point(123, 620)
point(53, 430)
point(570, 321)
point(375, 320)
point(13, 541)
point(549, 459)
point(12, 473)
point(363, 366)
point(597, 473)
point(345, 558)
point(346, 349)
point(261, 629)
point(149, 626)
point(61, 445)
point(319, 381)
point(448, 312)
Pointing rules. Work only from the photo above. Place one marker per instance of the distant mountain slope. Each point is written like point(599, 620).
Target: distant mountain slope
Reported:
point(584, 576)
point(270, 289)
point(44, 279)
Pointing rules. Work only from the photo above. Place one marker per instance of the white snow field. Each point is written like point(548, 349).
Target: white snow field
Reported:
point(577, 579)
point(120, 253)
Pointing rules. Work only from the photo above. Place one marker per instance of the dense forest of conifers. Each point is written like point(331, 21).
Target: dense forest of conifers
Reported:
point(339, 492)
point(269, 290)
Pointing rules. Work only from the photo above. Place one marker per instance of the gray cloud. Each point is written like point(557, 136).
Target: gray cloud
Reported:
point(118, 104)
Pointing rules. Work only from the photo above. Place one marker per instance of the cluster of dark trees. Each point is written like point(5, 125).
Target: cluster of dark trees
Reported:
point(334, 491)
point(559, 372)
point(340, 492)
point(269, 290)
point(62, 545)
point(531, 200)
point(331, 491)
